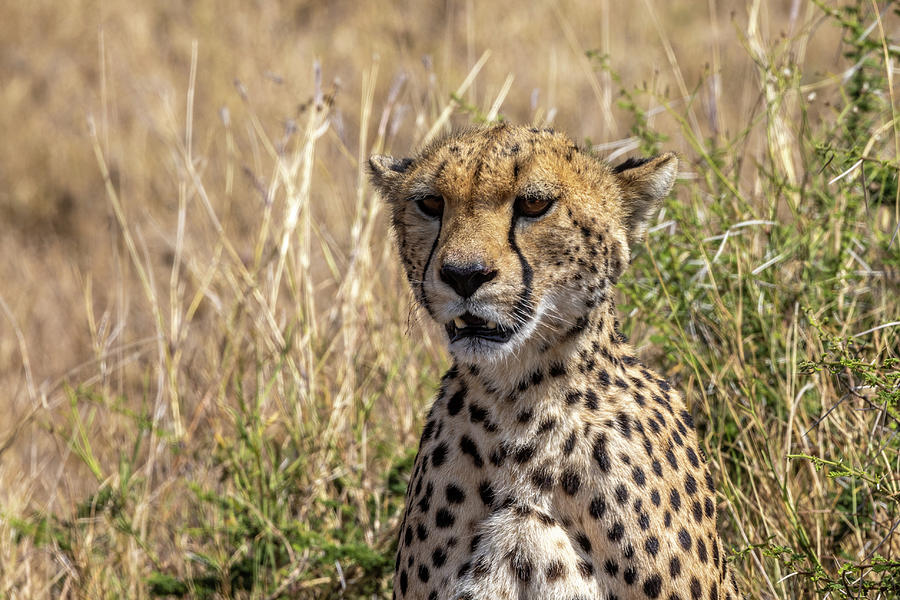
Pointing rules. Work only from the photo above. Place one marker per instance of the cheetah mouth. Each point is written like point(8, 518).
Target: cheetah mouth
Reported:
point(468, 326)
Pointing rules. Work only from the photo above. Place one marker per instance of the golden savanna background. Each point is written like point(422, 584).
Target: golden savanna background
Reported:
point(213, 378)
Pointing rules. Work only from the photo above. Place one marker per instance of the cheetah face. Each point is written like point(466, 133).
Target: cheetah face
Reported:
point(511, 236)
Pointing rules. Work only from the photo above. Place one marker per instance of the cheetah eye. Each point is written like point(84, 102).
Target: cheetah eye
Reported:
point(533, 205)
point(431, 206)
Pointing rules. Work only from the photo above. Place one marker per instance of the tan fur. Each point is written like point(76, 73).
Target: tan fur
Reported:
point(553, 465)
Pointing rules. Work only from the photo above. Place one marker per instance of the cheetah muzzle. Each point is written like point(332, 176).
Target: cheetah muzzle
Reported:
point(553, 464)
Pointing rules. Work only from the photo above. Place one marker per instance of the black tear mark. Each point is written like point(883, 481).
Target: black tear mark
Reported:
point(425, 302)
point(521, 312)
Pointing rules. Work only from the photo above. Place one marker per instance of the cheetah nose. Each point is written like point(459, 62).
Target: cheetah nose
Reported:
point(466, 279)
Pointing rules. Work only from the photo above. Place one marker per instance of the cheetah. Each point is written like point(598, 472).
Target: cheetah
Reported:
point(553, 464)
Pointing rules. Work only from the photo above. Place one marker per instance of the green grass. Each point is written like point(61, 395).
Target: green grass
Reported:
point(244, 414)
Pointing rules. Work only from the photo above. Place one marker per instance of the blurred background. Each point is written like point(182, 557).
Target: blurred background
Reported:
point(213, 377)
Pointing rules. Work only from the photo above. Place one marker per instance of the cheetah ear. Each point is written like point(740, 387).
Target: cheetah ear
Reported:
point(644, 183)
point(386, 171)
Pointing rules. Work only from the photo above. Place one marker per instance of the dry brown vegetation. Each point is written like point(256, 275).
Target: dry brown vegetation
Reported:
point(212, 374)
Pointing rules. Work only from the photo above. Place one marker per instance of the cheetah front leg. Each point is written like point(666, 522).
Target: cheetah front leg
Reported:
point(521, 553)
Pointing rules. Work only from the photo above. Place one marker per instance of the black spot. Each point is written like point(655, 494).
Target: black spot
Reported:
point(524, 454)
point(616, 532)
point(572, 396)
point(667, 519)
point(692, 458)
point(439, 454)
point(425, 500)
point(709, 508)
point(621, 494)
point(557, 370)
point(486, 492)
point(473, 544)
point(498, 455)
point(688, 419)
point(654, 497)
point(584, 542)
point(438, 557)
point(714, 592)
point(624, 424)
point(555, 570)
point(603, 378)
point(600, 453)
point(463, 569)
point(653, 586)
point(428, 430)
point(586, 568)
point(455, 495)
point(629, 552)
point(630, 575)
point(684, 539)
point(545, 519)
point(652, 545)
point(476, 413)
point(611, 567)
point(424, 575)
point(657, 468)
point(675, 500)
point(421, 532)
point(547, 425)
point(638, 475)
point(670, 456)
point(571, 482)
point(597, 507)
point(696, 589)
point(590, 400)
point(524, 415)
point(407, 536)
point(443, 518)
point(701, 550)
point(467, 445)
point(456, 401)
point(644, 521)
point(404, 582)
point(697, 511)
point(709, 483)
point(542, 479)
point(569, 444)
point(690, 484)
point(674, 567)
point(521, 567)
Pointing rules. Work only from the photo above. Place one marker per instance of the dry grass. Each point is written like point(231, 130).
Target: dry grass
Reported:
point(213, 376)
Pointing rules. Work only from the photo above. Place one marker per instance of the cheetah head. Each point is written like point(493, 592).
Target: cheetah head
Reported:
point(511, 236)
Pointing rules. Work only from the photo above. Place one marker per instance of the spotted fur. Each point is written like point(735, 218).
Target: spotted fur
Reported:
point(553, 465)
